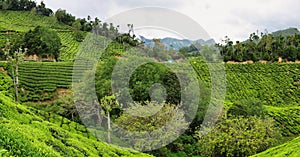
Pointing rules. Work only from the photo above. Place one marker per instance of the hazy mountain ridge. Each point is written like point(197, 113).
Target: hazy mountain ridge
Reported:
point(177, 43)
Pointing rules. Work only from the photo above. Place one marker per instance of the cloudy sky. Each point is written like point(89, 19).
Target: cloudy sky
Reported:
point(235, 18)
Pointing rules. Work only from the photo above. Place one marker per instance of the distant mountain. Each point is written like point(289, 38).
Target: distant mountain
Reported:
point(177, 43)
point(286, 32)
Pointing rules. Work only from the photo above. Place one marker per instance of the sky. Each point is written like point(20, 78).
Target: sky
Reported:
point(219, 18)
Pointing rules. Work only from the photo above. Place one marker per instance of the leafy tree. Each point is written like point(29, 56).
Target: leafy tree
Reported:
point(64, 106)
point(42, 10)
point(238, 136)
point(156, 118)
point(103, 76)
point(290, 53)
point(108, 103)
point(42, 42)
point(15, 59)
point(23, 5)
point(64, 17)
point(269, 47)
point(246, 108)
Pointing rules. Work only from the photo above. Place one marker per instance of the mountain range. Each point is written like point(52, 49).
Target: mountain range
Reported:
point(177, 43)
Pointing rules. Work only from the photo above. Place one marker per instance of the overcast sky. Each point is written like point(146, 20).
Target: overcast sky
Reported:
point(235, 18)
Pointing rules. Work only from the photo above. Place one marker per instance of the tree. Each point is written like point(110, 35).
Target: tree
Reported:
point(25, 5)
point(42, 10)
point(108, 103)
point(42, 42)
point(64, 106)
point(238, 136)
point(150, 125)
point(15, 59)
point(63, 17)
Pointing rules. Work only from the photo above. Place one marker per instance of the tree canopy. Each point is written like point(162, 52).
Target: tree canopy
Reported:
point(265, 46)
point(42, 42)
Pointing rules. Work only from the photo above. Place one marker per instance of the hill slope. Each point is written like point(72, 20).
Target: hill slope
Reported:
point(290, 149)
point(14, 24)
point(30, 132)
point(286, 32)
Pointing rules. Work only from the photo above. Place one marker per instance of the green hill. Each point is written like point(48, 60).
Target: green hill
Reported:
point(289, 149)
point(26, 131)
point(29, 132)
point(15, 23)
point(39, 81)
point(286, 32)
point(274, 84)
point(22, 21)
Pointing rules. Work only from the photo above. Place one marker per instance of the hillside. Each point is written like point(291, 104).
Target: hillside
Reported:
point(274, 85)
point(286, 32)
point(36, 127)
point(30, 132)
point(290, 149)
point(14, 24)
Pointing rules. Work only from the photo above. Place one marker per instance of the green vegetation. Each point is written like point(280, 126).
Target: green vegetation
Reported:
point(6, 83)
point(70, 45)
point(39, 81)
point(262, 100)
point(247, 85)
point(286, 32)
point(23, 21)
point(274, 84)
point(267, 47)
point(42, 42)
point(30, 132)
point(290, 149)
point(286, 118)
point(238, 137)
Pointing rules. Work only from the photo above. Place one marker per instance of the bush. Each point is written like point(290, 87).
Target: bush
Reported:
point(246, 108)
point(238, 137)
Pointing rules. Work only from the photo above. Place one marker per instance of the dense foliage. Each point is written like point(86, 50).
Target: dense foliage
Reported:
point(25, 5)
point(19, 5)
point(6, 83)
point(288, 149)
point(262, 100)
point(238, 137)
point(275, 84)
point(64, 17)
point(30, 132)
point(39, 81)
point(42, 42)
point(266, 46)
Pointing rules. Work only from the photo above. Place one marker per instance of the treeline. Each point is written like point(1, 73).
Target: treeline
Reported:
point(265, 46)
point(25, 5)
point(62, 16)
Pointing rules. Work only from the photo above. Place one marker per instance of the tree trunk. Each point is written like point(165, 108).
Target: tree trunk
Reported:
point(108, 128)
point(99, 116)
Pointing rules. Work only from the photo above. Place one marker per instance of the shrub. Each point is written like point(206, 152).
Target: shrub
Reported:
point(238, 137)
